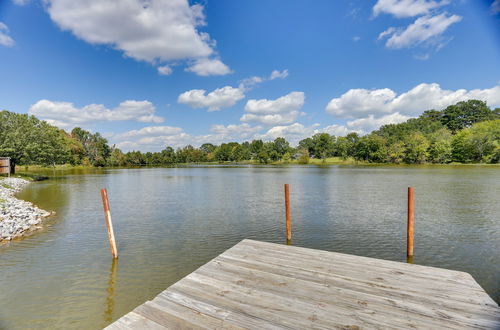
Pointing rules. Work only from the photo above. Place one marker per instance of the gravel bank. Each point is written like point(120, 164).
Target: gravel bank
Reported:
point(16, 216)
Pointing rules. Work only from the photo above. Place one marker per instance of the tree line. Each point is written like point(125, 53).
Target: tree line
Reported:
point(466, 132)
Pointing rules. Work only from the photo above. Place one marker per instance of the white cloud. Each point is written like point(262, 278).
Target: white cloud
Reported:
point(66, 115)
point(337, 130)
point(406, 8)
point(421, 57)
point(241, 131)
point(164, 70)
point(357, 103)
point(209, 67)
point(249, 83)
point(495, 7)
point(220, 98)
point(425, 30)
point(154, 31)
point(281, 111)
point(150, 131)
point(156, 138)
point(370, 123)
point(292, 133)
point(226, 96)
point(5, 39)
point(356, 38)
point(295, 132)
point(277, 74)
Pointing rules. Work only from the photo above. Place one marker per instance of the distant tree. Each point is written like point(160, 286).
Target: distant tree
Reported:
point(263, 157)
point(117, 157)
point(281, 147)
point(440, 150)
point(465, 113)
point(371, 148)
point(306, 144)
point(207, 147)
point(323, 144)
point(303, 156)
point(256, 147)
point(415, 148)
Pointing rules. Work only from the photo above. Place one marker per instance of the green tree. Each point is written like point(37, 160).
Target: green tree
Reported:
point(371, 148)
point(323, 144)
point(415, 148)
point(440, 149)
point(256, 147)
point(465, 113)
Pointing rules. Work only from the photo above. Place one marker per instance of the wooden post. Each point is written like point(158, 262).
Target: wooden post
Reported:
point(109, 224)
point(287, 209)
point(409, 251)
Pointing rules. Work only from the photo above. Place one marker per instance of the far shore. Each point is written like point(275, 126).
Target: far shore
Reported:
point(24, 170)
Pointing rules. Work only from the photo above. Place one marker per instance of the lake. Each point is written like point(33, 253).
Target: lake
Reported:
point(169, 221)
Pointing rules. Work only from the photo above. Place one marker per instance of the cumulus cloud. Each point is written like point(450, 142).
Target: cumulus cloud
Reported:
point(5, 39)
point(220, 98)
point(150, 131)
point(66, 115)
point(209, 67)
point(425, 30)
point(370, 123)
point(406, 8)
point(249, 83)
point(277, 74)
point(226, 96)
point(337, 130)
point(155, 138)
point(357, 103)
point(238, 132)
point(154, 31)
point(293, 133)
point(281, 111)
point(164, 70)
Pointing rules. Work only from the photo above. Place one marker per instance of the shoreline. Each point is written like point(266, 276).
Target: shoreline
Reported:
point(26, 170)
point(17, 217)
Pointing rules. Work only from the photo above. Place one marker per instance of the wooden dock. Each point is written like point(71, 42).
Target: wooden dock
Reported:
point(257, 285)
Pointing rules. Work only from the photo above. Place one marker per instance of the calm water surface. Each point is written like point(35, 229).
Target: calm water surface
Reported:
point(169, 221)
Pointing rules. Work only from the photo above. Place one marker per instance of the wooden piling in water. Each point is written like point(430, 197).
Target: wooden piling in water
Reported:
point(109, 223)
point(409, 250)
point(287, 210)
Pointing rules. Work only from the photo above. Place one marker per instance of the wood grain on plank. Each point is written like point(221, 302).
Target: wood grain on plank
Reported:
point(258, 285)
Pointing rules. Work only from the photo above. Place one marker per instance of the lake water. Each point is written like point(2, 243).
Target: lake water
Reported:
point(169, 221)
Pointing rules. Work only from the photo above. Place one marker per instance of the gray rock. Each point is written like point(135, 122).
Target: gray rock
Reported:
point(17, 216)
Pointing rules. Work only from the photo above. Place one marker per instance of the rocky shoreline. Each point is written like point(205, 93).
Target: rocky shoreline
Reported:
point(17, 217)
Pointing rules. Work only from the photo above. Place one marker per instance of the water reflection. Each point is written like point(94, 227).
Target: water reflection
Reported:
point(110, 298)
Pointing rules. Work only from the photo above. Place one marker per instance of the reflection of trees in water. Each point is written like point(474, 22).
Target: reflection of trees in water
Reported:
point(110, 297)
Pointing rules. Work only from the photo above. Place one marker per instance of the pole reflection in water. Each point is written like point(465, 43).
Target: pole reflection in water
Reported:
point(110, 298)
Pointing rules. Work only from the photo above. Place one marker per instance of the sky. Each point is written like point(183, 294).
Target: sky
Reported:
point(148, 74)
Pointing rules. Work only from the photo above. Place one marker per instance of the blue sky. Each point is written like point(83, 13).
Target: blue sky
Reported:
point(147, 74)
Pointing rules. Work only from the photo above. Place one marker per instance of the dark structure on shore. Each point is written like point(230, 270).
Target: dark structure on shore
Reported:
point(7, 166)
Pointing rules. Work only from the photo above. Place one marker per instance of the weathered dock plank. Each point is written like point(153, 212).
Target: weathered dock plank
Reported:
point(257, 285)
